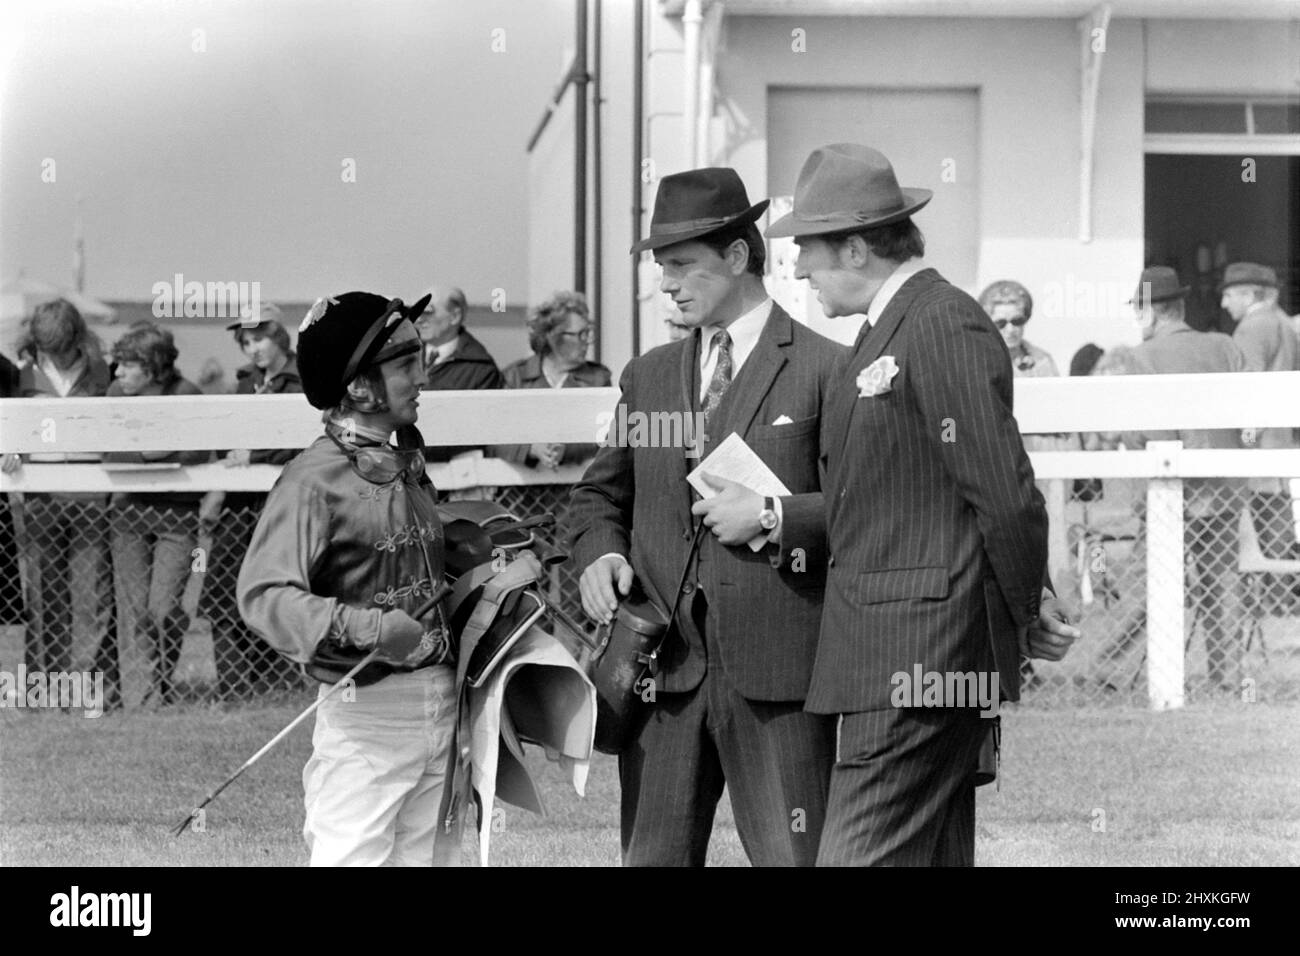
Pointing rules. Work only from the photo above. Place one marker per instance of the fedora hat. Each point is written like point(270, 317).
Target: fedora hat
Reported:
point(1159, 283)
point(696, 203)
point(1248, 273)
point(843, 187)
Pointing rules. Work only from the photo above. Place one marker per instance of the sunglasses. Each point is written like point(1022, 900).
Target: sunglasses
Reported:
point(1002, 323)
point(583, 336)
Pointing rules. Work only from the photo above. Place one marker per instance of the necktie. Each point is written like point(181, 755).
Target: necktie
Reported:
point(721, 376)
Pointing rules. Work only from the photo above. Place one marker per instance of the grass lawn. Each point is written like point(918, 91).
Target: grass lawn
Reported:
point(1214, 784)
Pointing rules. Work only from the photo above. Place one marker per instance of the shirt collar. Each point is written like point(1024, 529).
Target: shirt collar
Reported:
point(744, 331)
point(901, 274)
point(441, 353)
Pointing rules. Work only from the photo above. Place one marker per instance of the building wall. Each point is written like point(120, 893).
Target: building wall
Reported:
point(551, 194)
point(1027, 77)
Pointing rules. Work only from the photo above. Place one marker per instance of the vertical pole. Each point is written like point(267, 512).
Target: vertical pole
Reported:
point(638, 144)
point(691, 20)
point(1166, 667)
point(580, 150)
point(597, 232)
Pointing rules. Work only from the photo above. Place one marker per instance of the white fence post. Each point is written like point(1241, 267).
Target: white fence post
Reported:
point(1165, 625)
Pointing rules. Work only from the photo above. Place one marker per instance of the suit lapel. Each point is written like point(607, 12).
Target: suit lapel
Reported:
point(756, 375)
point(870, 346)
point(689, 404)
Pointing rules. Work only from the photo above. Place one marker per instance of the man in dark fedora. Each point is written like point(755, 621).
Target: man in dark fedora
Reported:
point(1212, 506)
point(728, 699)
point(937, 535)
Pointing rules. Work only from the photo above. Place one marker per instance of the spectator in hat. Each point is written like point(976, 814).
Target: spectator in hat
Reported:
point(244, 663)
point(1212, 506)
point(153, 535)
point(64, 535)
point(453, 358)
point(347, 549)
point(1249, 295)
point(559, 331)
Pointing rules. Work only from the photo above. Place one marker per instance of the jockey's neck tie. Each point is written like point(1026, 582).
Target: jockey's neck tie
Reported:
point(721, 376)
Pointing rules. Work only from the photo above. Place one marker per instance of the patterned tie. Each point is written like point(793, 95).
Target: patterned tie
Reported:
point(721, 376)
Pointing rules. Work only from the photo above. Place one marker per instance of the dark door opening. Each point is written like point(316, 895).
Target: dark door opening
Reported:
point(1202, 214)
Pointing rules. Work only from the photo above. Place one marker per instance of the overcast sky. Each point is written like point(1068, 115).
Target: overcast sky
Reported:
point(228, 164)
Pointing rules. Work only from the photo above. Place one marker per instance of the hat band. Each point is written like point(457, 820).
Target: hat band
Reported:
point(684, 225)
point(859, 216)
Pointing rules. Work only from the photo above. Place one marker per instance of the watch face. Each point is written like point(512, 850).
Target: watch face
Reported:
point(767, 520)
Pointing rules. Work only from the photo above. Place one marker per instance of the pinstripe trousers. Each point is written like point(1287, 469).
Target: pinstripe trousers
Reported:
point(774, 759)
point(903, 788)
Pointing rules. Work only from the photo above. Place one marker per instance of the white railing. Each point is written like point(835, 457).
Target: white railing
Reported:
point(1100, 404)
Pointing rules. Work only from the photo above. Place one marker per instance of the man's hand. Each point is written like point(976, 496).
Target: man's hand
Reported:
point(601, 585)
point(731, 514)
point(548, 454)
point(11, 463)
point(210, 508)
point(1049, 638)
point(239, 458)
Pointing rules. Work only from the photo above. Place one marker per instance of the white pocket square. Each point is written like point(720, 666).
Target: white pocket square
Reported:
point(783, 420)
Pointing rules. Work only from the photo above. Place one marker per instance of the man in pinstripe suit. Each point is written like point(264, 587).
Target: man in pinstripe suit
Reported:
point(728, 701)
point(937, 536)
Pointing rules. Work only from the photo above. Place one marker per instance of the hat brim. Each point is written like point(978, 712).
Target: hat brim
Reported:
point(670, 236)
point(1180, 293)
point(791, 225)
point(1263, 283)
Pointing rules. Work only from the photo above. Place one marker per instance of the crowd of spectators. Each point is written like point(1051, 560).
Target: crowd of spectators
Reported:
point(99, 579)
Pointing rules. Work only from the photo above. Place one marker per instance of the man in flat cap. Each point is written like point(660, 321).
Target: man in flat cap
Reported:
point(938, 537)
point(348, 547)
point(1212, 506)
point(728, 696)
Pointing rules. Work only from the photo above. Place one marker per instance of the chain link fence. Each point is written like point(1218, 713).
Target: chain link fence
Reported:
point(142, 592)
point(1238, 584)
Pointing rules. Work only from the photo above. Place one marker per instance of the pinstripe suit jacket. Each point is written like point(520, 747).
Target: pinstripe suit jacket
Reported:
point(763, 608)
point(938, 537)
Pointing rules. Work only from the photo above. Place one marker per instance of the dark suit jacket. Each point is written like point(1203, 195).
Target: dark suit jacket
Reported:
point(764, 607)
point(937, 535)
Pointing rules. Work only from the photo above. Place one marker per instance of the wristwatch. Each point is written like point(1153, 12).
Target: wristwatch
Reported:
point(767, 517)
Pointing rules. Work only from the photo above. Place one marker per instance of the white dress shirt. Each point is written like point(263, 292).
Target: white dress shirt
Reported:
point(887, 291)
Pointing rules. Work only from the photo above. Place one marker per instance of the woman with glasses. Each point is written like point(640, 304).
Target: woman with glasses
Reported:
point(559, 331)
point(1009, 305)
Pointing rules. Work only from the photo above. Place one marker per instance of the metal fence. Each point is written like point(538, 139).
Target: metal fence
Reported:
point(145, 594)
point(1188, 582)
point(1237, 574)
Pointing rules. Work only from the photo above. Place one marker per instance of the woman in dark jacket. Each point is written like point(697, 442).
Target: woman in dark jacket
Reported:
point(154, 534)
point(559, 331)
